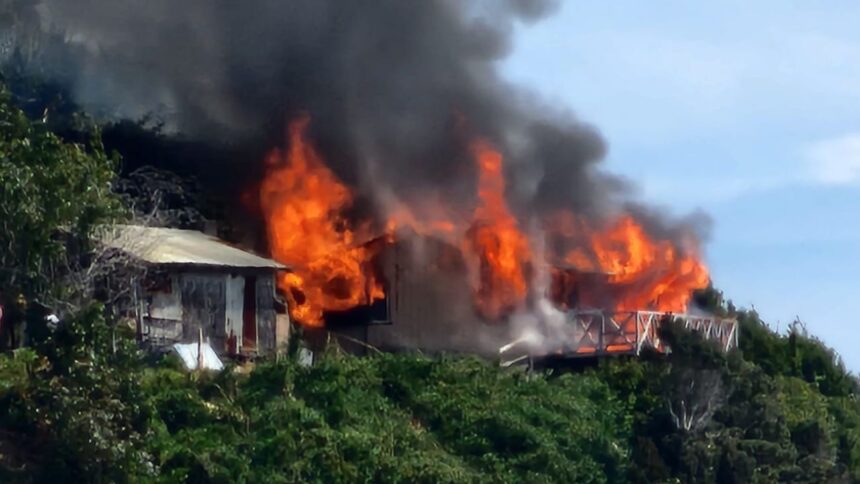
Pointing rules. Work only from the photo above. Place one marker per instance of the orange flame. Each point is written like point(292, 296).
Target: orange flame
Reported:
point(643, 273)
point(304, 205)
point(304, 202)
point(503, 251)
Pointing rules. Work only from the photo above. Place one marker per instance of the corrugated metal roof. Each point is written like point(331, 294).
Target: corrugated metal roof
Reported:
point(158, 245)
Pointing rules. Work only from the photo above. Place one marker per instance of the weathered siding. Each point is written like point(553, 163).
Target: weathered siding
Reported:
point(203, 306)
point(213, 302)
point(166, 304)
point(162, 312)
point(161, 332)
point(430, 307)
point(234, 307)
point(265, 313)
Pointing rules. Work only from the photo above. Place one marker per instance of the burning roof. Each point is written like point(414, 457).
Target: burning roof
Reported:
point(306, 208)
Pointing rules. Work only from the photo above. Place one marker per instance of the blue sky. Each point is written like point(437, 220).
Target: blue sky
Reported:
point(749, 111)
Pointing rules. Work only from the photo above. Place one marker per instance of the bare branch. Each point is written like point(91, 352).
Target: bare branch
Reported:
point(695, 397)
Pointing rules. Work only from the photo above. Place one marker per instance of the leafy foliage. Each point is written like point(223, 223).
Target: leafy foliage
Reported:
point(389, 418)
point(87, 392)
point(53, 194)
point(80, 405)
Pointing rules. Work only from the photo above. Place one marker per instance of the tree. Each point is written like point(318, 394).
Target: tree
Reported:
point(695, 397)
point(161, 198)
point(53, 195)
point(695, 387)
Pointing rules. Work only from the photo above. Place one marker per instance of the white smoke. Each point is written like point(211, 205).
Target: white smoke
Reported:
point(541, 327)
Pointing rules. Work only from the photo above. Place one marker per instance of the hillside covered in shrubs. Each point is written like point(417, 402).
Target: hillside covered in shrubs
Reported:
point(85, 405)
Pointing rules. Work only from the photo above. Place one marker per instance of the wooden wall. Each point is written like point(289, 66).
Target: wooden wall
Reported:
point(266, 329)
point(203, 306)
point(430, 304)
point(212, 301)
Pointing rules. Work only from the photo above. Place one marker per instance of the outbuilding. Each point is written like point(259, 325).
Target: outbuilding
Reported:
point(194, 283)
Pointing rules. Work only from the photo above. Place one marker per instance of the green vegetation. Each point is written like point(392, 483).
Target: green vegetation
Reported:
point(383, 419)
point(52, 195)
point(83, 404)
point(87, 406)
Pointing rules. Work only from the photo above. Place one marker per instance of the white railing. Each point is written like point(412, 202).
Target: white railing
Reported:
point(597, 332)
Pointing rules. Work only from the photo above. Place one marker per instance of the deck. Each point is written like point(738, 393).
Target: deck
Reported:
point(591, 333)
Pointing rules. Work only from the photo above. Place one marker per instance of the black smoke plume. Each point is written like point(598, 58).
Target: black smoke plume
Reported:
point(395, 89)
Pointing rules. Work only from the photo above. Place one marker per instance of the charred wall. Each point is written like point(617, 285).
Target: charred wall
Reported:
point(429, 302)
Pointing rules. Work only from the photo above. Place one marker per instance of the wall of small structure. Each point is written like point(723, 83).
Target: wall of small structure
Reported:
point(266, 316)
point(182, 304)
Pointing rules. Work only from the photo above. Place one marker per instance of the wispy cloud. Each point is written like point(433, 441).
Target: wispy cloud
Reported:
point(835, 161)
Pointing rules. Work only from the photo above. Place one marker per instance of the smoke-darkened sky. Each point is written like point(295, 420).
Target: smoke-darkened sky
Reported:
point(396, 90)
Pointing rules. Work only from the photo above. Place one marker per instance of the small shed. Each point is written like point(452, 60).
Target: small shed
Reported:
point(192, 282)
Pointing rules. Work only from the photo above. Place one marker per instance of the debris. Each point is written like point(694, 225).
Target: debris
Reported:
point(206, 355)
point(306, 357)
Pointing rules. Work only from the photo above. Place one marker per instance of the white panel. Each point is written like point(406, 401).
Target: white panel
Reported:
point(235, 304)
point(166, 306)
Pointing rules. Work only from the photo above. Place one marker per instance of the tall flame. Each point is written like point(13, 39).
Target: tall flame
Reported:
point(502, 249)
point(304, 202)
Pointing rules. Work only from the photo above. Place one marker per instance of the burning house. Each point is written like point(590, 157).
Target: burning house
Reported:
point(472, 281)
point(419, 197)
point(191, 283)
